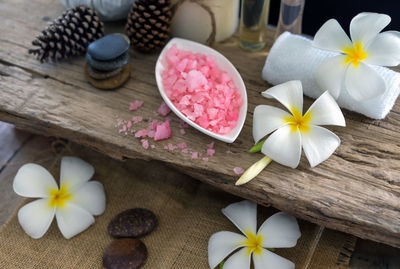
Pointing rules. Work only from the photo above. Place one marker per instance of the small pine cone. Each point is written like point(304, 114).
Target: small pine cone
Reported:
point(68, 35)
point(148, 24)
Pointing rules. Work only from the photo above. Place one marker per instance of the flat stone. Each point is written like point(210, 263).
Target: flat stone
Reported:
point(108, 65)
point(112, 82)
point(98, 74)
point(109, 47)
point(134, 222)
point(125, 253)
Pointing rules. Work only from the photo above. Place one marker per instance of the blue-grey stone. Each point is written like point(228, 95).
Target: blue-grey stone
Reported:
point(109, 47)
point(118, 62)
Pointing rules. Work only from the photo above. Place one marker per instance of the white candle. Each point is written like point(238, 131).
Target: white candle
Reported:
point(192, 21)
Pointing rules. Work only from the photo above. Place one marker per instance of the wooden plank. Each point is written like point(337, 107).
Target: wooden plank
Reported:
point(357, 190)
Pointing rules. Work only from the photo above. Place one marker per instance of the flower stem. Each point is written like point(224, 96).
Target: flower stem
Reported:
point(253, 170)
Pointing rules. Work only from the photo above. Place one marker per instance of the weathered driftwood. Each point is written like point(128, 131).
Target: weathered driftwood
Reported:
point(356, 191)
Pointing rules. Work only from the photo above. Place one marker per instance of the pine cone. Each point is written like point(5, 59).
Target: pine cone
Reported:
point(68, 35)
point(148, 24)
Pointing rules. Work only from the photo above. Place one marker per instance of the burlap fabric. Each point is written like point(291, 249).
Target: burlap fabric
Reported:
point(189, 212)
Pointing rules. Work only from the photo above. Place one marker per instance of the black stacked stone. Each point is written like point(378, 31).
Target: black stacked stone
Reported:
point(108, 61)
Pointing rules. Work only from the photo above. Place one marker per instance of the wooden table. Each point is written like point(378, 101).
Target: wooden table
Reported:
point(356, 191)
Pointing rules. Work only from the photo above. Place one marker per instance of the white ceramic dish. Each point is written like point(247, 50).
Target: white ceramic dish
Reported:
point(224, 64)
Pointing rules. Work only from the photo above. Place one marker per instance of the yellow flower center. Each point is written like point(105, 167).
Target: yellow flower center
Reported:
point(298, 121)
point(59, 197)
point(354, 54)
point(253, 243)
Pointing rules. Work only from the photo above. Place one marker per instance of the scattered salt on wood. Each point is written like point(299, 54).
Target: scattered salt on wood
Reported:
point(238, 170)
point(135, 105)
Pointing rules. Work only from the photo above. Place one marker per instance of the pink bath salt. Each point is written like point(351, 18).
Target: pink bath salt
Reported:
point(171, 146)
point(136, 119)
point(129, 124)
point(145, 143)
point(183, 124)
point(153, 146)
point(210, 152)
point(229, 152)
point(182, 131)
point(195, 155)
point(163, 131)
point(151, 134)
point(201, 91)
point(205, 159)
point(238, 170)
point(135, 105)
point(211, 145)
point(141, 133)
point(185, 150)
point(182, 145)
point(163, 110)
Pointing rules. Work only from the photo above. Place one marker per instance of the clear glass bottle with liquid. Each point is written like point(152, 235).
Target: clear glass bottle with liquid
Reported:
point(253, 24)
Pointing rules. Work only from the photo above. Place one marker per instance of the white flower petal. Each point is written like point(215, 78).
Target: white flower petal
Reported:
point(75, 172)
point(384, 50)
point(221, 244)
point(365, 26)
point(73, 219)
point(268, 259)
point(325, 111)
point(289, 94)
point(331, 36)
point(330, 75)
point(36, 217)
point(243, 214)
point(253, 171)
point(239, 260)
point(319, 144)
point(363, 82)
point(91, 197)
point(33, 180)
point(267, 119)
point(280, 231)
point(284, 146)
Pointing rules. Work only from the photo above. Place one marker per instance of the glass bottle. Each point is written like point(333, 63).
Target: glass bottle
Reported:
point(253, 24)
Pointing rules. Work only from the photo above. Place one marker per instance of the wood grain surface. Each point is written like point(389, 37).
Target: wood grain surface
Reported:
point(357, 190)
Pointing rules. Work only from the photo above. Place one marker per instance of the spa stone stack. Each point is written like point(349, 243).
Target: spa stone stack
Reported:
point(107, 64)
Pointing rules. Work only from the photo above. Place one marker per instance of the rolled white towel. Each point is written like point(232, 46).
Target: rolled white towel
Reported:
point(292, 57)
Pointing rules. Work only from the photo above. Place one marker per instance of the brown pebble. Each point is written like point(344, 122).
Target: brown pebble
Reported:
point(126, 253)
point(134, 222)
point(97, 74)
point(112, 82)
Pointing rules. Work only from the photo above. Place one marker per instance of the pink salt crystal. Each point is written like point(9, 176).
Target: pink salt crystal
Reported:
point(141, 133)
point(205, 94)
point(145, 143)
point(129, 124)
point(171, 146)
point(182, 145)
point(163, 110)
point(163, 131)
point(151, 134)
point(195, 155)
point(182, 131)
point(238, 170)
point(229, 152)
point(185, 150)
point(210, 152)
point(205, 159)
point(135, 105)
point(211, 145)
point(152, 146)
point(183, 124)
point(136, 119)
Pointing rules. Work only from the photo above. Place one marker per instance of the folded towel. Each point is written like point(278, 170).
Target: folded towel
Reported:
point(292, 57)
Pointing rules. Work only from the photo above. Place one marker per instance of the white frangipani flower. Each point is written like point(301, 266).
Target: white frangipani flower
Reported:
point(293, 131)
point(350, 69)
point(278, 231)
point(73, 204)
